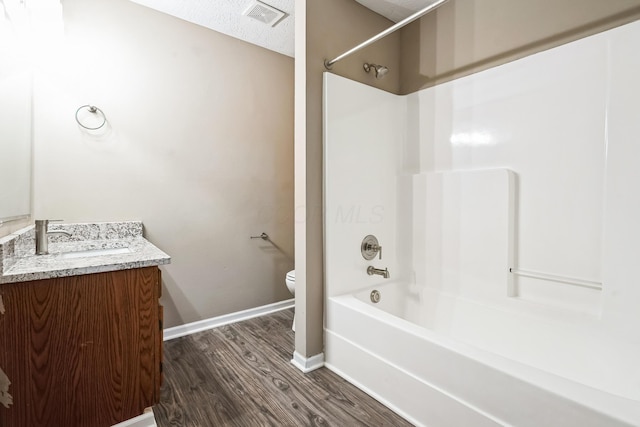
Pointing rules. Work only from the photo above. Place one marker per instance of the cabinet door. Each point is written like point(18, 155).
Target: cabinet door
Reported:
point(80, 351)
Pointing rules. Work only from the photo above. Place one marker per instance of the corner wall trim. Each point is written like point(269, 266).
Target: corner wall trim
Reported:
point(214, 322)
point(307, 364)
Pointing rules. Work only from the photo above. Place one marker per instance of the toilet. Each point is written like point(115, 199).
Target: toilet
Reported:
point(290, 280)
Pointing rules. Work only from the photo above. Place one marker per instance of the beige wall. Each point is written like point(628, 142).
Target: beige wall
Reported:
point(200, 148)
point(465, 36)
point(324, 30)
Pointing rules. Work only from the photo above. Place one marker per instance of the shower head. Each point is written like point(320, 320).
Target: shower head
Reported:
point(380, 70)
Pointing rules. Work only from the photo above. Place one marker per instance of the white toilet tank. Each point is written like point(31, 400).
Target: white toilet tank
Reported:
point(290, 280)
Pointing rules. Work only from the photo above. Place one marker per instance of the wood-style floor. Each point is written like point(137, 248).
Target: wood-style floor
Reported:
point(241, 375)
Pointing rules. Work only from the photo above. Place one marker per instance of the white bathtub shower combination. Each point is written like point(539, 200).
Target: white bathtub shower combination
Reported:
point(506, 204)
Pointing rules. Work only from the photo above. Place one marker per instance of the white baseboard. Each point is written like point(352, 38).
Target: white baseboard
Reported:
point(214, 322)
point(145, 420)
point(307, 364)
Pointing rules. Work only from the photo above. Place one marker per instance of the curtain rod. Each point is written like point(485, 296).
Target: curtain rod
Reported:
point(408, 20)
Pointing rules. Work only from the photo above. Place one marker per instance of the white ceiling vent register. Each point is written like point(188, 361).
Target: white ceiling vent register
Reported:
point(264, 13)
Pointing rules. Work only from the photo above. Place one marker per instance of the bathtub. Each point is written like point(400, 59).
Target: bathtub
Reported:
point(426, 355)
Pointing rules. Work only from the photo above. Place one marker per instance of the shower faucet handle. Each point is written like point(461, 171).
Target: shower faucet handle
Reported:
point(370, 248)
point(378, 249)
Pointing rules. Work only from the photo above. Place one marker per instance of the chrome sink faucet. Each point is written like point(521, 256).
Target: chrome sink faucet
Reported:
point(42, 235)
point(372, 270)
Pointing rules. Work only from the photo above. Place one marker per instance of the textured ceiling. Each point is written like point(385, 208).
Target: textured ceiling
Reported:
point(395, 10)
point(225, 16)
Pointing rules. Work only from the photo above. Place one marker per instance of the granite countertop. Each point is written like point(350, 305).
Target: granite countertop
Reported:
point(92, 248)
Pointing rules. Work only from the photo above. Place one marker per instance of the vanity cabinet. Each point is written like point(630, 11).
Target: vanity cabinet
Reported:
point(83, 350)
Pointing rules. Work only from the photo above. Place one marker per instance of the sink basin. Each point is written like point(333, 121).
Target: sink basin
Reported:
point(95, 252)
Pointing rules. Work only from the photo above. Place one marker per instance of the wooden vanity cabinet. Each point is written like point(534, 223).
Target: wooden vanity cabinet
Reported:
point(81, 351)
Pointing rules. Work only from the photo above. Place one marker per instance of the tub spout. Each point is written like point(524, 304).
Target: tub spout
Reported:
point(372, 270)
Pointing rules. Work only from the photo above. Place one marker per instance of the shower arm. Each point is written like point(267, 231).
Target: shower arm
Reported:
point(328, 64)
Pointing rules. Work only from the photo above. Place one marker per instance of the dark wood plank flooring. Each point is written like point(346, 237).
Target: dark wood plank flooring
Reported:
point(241, 375)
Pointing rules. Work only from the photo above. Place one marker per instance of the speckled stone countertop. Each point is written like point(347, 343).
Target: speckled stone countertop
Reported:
point(67, 256)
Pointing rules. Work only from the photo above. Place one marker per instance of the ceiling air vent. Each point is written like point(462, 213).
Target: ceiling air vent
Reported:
point(264, 13)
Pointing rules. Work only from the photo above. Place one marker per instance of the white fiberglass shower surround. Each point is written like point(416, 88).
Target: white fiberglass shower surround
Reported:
point(507, 204)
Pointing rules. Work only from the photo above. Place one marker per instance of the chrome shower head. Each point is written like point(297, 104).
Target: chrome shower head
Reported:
point(380, 70)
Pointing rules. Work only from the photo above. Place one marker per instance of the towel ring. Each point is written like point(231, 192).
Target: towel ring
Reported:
point(93, 110)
